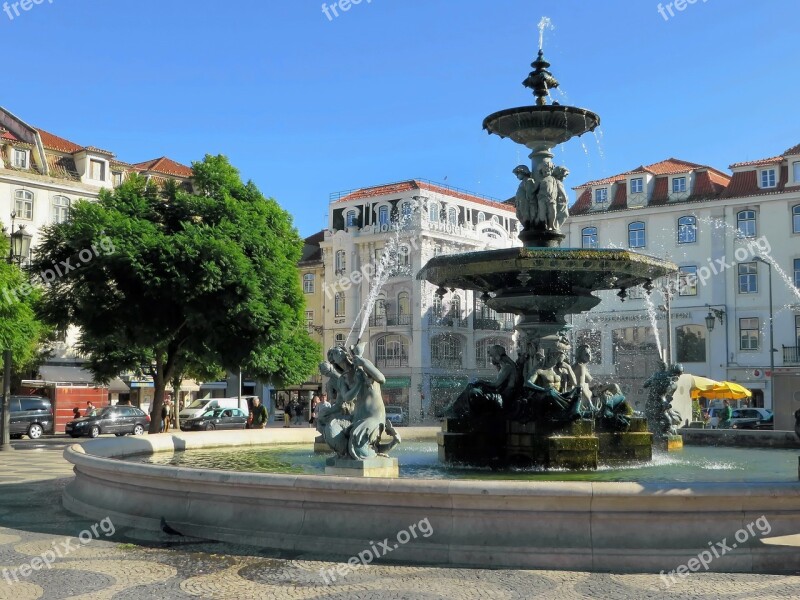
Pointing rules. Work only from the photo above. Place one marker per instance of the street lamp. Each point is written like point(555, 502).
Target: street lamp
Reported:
point(714, 314)
point(771, 332)
point(19, 246)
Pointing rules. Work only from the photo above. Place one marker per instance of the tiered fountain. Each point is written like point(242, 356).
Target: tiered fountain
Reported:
point(541, 410)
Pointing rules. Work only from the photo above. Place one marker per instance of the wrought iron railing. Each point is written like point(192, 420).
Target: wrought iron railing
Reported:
point(791, 355)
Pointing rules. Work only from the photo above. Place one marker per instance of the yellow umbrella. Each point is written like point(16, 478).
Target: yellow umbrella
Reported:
point(700, 384)
point(725, 389)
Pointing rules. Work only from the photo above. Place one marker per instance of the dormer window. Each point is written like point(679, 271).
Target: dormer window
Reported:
point(796, 172)
point(679, 185)
point(352, 218)
point(637, 185)
point(768, 178)
point(20, 159)
point(97, 170)
point(601, 195)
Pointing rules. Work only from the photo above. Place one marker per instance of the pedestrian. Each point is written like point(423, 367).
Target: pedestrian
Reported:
point(725, 416)
point(287, 414)
point(298, 413)
point(315, 402)
point(89, 409)
point(165, 417)
point(76, 413)
point(259, 415)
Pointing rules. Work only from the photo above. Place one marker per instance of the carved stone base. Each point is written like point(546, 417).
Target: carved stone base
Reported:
point(541, 238)
point(669, 443)
point(553, 445)
point(380, 466)
point(626, 446)
point(321, 446)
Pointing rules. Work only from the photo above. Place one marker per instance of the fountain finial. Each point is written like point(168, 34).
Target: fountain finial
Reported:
point(540, 80)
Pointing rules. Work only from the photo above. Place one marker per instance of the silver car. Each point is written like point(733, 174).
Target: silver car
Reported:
point(395, 415)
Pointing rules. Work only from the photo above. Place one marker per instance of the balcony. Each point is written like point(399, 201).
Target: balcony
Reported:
point(494, 324)
point(389, 320)
point(448, 320)
point(391, 361)
point(791, 355)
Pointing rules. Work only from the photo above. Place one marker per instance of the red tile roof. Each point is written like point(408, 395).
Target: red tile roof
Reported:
point(745, 183)
point(59, 144)
point(758, 163)
point(620, 198)
point(583, 203)
point(7, 135)
point(793, 151)
point(670, 166)
point(164, 165)
point(415, 184)
point(660, 191)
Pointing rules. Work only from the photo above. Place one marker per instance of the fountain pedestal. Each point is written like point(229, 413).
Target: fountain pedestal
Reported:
point(669, 443)
point(636, 444)
point(379, 466)
point(553, 445)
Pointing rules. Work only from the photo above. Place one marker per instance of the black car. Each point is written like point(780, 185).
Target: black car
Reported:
point(31, 416)
point(218, 418)
point(118, 420)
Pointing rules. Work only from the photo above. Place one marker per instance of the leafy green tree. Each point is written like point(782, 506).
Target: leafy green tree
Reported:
point(166, 281)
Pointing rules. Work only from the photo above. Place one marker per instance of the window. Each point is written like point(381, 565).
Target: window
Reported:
point(391, 351)
point(437, 308)
point(482, 350)
point(403, 308)
point(446, 352)
point(308, 283)
point(433, 212)
point(691, 343)
point(589, 237)
point(687, 230)
point(495, 219)
point(452, 216)
point(746, 223)
point(455, 308)
point(636, 235)
point(687, 281)
point(341, 262)
point(383, 215)
point(796, 217)
point(406, 210)
point(339, 305)
point(748, 278)
point(601, 195)
point(796, 171)
point(748, 334)
point(309, 319)
point(481, 217)
point(20, 159)
point(403, 258)
point(797, 273)
point(679, 185)
point(60, 209)
point(23, 204)
point(97, 170)
point(352, 218)
point(339, 339)
point(116, 177)
point(768, 178)
point(637, 185)
point(797, 329)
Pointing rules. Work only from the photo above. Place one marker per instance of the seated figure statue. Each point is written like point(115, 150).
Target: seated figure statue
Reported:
point(541, 398)
point(486, 397)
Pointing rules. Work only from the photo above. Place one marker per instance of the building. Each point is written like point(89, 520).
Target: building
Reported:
point(716, 227)
point(428, 344)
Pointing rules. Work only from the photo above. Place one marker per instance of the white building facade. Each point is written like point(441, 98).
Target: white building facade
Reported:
point(427, 345)
point(717, 228)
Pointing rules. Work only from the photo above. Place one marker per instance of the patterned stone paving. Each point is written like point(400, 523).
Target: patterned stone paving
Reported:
point(134, 565)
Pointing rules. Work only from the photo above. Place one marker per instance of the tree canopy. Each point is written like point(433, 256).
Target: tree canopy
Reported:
point(163, 279)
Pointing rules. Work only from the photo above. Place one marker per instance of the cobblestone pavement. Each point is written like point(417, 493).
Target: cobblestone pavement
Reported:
point(129, 564)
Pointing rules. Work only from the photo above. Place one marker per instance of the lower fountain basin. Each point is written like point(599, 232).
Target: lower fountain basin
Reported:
point(582, 525)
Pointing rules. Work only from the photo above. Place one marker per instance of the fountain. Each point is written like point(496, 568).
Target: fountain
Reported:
point(537, 411)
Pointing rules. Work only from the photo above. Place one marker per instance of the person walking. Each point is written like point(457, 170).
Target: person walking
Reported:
point(315, 402)
point(259, 415)
point(287, 414)
point(725, 416)
point(89, 409)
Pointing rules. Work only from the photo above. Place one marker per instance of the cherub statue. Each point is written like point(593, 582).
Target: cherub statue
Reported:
point(547, 197)
point(526, 196)
point(562, 201)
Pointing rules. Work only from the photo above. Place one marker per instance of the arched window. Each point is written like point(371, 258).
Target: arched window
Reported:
point(636, 235)
point(481, 217)
point(482, 350)
point(746, 223)
point(352, 218)
point(403, 308)
point(452, 216)
point(60, 209)
point(495, 219)
point(485, 317)
point(433, 212)
point(383, 215)
point(341, 262)
point(691, 343)
point(796, 217)
point(391, 351)
point(308, 283)
point(339, 305)
point(446, 352)
point(687, 230)
point(403, 256)
point(437, 308)
point(23, 204)
point(589, 237)
point(455, 309)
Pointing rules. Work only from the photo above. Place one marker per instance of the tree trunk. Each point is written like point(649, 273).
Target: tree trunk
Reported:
point(160, 385)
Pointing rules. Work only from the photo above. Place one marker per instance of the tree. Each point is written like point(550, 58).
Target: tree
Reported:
point(164, 279)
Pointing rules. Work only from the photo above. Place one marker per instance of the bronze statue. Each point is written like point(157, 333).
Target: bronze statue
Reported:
point(547, 197)
point(526, 196)
point(485, 396)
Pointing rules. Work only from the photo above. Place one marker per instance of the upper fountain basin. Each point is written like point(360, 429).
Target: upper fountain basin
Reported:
point(534, 125)
point(546, 271)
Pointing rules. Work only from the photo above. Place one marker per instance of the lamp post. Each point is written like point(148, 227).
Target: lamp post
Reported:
point(771, 333)
point(19, 246)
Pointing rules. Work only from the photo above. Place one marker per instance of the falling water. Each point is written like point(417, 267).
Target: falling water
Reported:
point(544, 23)
point(651, 313)
point(387, 267)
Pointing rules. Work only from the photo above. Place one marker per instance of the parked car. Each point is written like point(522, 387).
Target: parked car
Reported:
point(752, 418)
point(217, 418)
point(118, 420)
point(31, 416)
point(202, 405)
point(395, 415)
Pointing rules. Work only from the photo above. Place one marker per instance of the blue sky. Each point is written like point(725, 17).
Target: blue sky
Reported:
point(396, 89)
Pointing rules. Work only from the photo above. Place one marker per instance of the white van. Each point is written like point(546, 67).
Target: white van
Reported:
point(202, 405)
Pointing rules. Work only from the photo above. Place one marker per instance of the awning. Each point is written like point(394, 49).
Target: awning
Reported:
point(75, 375)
